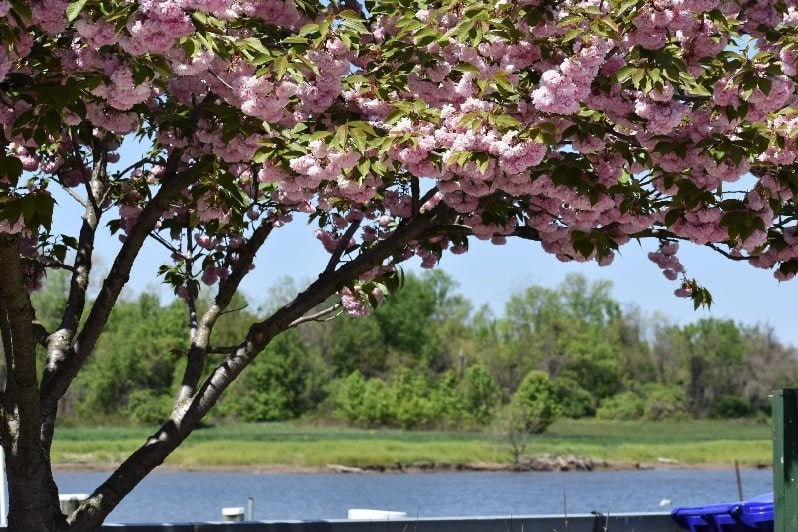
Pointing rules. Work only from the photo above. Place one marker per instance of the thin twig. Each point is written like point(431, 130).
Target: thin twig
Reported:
point(319, 316)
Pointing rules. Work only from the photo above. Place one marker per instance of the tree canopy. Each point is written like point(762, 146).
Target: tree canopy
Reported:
point(403, 129)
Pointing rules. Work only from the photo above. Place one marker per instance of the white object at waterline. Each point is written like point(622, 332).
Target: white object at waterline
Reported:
point(364, 514)
point(70, 501)
point(233, 513)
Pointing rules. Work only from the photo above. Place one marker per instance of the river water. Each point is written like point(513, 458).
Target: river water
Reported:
point(180, 496)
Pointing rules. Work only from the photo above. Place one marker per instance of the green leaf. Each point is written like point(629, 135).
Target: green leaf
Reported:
point(359, 139)
point(74, 8)
point(22, 9)
point(70, 241)
point(295, 39)
point(353, 21)
point(11, 167)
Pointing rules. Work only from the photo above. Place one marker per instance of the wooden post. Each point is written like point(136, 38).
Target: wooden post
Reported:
point(785, 460)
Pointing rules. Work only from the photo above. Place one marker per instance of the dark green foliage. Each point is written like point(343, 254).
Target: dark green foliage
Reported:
point(357, 344)
point(534, 405)
point(625, 406)
point(364, 403)
point(282, 383)
point(146, 406)
point(424, 360)
point(573, 401)
point(480, 394)
point(663, 402)
point(729, 407)
point(134, 355)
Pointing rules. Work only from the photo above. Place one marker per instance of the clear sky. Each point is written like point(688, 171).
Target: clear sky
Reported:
point(489, 274)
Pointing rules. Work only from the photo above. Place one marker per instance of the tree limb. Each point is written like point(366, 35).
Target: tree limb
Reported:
point(188, 415)
point(343, 245)
point(59, 378)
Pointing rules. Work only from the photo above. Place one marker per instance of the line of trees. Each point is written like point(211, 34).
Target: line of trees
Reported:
point(427, 359)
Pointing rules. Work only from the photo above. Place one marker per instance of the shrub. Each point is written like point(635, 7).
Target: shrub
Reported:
point(533, 406)
point(573, 401)
point(730, 406)
point(663, 402)
point(623, 406)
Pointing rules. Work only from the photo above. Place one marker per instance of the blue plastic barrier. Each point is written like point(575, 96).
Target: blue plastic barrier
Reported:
point(744, 516)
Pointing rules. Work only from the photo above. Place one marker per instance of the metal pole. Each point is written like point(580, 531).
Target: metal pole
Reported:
point(2, 487)
point(739, 481)
point(785, 460)
point(250, 508)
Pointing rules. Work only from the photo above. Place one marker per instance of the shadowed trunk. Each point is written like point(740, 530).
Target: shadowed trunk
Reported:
point(33, 496)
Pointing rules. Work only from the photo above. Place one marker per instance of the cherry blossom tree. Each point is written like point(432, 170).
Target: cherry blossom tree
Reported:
point(403, 129)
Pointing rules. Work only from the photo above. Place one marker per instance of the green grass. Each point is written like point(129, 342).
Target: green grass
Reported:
point(689, 442)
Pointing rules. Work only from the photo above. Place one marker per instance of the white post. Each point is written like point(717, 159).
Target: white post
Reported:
point(250, 508)
point(2, 488)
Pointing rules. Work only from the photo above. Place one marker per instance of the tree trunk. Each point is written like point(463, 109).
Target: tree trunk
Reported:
point(33, 495)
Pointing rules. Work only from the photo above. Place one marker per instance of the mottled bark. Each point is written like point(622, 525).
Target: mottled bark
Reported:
point(33, 496)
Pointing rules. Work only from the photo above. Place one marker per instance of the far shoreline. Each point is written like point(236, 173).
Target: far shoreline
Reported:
point(418, 468)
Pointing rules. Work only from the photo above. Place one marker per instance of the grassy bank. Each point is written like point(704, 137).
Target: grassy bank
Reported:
point(691, 443)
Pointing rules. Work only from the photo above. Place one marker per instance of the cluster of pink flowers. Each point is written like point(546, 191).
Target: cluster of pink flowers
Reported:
point(355, 301)
point(661, 118)
point(123, 92)
point(562, 91)
point(157, 27)
point(484, 152)
point(211, 274)
point(210, 207)
point(665, 257)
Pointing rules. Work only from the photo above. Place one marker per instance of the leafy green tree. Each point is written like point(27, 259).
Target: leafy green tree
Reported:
point(365, 402)
point(769, 365)
point(357, 344)
point(573, 401)
point(285, 382)
point(348, 397)
point(481, 395)
point(534, 404)
point(412, 393)
point(714, 366)
point(571, 331)
point(137, 354)
point(663, 402)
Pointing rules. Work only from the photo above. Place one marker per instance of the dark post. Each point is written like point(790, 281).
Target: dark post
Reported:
point(785, 460)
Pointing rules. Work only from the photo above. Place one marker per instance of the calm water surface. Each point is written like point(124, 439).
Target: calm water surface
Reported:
point(200, 496)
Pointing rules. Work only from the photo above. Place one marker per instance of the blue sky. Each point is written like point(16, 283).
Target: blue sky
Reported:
point(490, 274)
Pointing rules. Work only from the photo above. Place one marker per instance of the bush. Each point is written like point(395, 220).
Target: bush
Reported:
point(663, 402)
point(480, 394)
point(729, 407)
point(573, 401)
point(365, 402)
point(623, 407)
point(147, 407)
point(533, 406)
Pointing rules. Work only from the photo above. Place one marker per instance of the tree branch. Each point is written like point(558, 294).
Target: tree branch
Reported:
point(343, 245)
point(59, 344)
point(322, 315)
point(187, 417)
point(200, 340)
point(20, 399)
point(58, 380)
